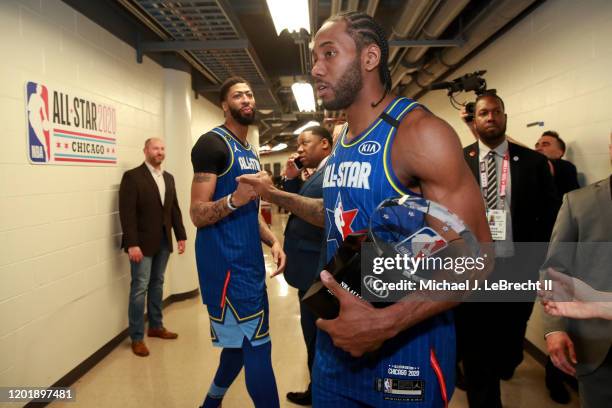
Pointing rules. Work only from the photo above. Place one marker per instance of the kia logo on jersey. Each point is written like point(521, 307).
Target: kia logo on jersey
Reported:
point(369, 148)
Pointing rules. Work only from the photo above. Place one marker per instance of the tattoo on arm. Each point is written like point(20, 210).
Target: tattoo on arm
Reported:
point(201, 177)
point(207, 213)
point(202, 211)
point(309, 209)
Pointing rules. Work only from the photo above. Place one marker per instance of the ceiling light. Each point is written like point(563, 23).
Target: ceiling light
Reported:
point(264, 148)
point(305, 126)
point(265, 111)
point(279, 147)
point(291, 15)
point(304, 96)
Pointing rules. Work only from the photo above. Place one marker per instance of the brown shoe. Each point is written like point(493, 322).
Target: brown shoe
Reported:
point(140, 348)
point(162, 333)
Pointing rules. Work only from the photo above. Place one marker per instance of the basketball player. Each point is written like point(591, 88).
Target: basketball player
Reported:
point(410, 151)
point(228, 250)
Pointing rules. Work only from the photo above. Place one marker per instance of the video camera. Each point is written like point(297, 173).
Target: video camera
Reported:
point(466, 83)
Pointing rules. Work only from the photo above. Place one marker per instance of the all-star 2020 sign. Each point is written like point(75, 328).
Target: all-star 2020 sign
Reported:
point(69, 129)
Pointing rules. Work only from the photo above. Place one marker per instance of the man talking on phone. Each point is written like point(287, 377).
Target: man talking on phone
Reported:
point(304, 241)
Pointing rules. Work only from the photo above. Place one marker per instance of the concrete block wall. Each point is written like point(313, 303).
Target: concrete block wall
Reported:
point(554, 66)
point(63, 279)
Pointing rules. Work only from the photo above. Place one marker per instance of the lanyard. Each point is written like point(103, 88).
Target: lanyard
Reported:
point(484, 181)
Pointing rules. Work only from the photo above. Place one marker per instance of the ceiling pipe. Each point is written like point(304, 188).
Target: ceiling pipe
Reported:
point(414, 12)
point(495, 16)
point(352, 5)
point(434, 27)
point(371, 7)
point(335, 7)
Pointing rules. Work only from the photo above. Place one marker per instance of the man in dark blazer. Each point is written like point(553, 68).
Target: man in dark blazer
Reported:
point(304, 241)
point(521, 203)
point(149, 210)
point(564, 172)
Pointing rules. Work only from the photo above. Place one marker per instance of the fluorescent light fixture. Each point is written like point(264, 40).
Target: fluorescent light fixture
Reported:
point(264, 148)
point(306, 126)
point(279, 147)
point(304, 96)
point(291, 15)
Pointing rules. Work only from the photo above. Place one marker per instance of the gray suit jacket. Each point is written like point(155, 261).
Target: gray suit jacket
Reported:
point(580, 246)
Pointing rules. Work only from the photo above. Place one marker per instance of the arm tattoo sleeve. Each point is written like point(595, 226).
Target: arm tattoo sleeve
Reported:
point(309, 209)
point(205, 213)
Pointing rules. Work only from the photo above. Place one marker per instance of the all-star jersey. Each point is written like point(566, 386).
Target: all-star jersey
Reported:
point(229, 256)
point(416, 368)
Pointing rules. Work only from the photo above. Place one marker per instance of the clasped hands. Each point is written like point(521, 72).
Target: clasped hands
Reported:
point(251, 186)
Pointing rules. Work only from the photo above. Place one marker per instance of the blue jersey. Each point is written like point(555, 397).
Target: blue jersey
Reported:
point(228, 253)
point(417, 366)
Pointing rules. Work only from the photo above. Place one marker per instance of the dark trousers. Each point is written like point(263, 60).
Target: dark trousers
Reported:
point(595, 390)
point(490, 343)
point(309, 330)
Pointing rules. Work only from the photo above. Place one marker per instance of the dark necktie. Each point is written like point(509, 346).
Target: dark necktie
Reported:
point(491, 191)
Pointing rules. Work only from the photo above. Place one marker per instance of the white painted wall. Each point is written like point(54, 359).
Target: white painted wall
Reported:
point(63, 279)
point(205, 116)
point(554, 66)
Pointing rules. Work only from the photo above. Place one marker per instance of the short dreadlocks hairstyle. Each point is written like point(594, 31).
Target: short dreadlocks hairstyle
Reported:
point(365, 31)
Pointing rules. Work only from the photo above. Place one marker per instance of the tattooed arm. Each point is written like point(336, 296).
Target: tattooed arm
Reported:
point(309, 209)
point(205, 212)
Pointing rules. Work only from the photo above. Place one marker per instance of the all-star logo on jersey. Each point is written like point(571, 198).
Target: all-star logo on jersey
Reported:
point(248, 163)
point(352, 174)
point(342, 220)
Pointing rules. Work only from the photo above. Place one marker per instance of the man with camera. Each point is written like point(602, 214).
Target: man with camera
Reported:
point(304, 241)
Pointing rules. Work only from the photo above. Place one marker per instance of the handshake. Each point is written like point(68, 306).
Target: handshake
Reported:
point(252, 186)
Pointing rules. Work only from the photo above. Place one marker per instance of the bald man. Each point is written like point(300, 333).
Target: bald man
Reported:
point(149, 210)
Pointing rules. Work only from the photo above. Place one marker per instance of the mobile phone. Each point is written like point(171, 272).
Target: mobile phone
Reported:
point(298, 163)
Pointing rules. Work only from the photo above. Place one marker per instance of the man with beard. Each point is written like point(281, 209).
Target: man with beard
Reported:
point(149, 210)
point(228, 250)
point(408, 151)
point(521, 203)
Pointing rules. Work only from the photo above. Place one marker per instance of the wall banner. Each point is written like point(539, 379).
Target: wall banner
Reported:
point(69, 129)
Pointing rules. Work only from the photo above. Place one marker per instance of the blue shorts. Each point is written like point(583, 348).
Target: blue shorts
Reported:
point(228, 329)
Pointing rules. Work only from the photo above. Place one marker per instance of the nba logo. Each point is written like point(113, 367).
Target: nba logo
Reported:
point(425, 242)
point(39, 138)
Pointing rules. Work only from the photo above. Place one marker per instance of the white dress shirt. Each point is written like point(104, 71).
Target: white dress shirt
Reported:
point(505, 248)
point(158, 176)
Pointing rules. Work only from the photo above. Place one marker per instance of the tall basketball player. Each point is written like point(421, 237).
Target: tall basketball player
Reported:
point(419, 155)
point(228, 250)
